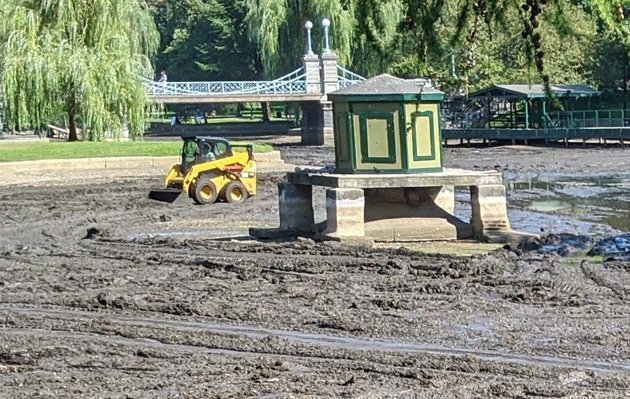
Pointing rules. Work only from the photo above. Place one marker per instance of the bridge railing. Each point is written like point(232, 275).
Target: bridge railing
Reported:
point(587, 118)
point(347, 78)
point(462, 120)
point(292, 83)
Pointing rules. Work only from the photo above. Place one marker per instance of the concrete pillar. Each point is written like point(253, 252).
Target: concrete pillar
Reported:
point(328, 127)
point(311, 65)
point(313, 123)
point(344, 209)
point(489, 210)
point(330, 75)
point(295, 206)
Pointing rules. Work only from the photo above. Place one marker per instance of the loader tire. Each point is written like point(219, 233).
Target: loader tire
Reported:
point(235, 192)
point(204, 192)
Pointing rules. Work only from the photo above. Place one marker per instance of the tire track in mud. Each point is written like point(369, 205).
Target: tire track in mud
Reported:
point(312, 339)
point(128, 250)
point(617, 289)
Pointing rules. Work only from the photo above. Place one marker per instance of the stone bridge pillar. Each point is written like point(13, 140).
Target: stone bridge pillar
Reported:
point(317, 117)
point(330, 76)
point(330, 81)
point(312, 133)
point(310, 62)
point(312, 123)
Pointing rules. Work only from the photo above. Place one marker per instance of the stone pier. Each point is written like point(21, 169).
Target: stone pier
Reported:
point(345, 209)
point(317, 116)
point(295, 206)
point(394, 207)
point(314, 120)
point(489, 211)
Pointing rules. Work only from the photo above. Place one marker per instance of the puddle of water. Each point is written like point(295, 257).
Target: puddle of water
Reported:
point(584, 205)
point(538, 222)
point(549, 205)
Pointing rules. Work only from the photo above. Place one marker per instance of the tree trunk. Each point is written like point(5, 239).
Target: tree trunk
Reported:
point(266, 110)
point(72, 114)
point(72, 126)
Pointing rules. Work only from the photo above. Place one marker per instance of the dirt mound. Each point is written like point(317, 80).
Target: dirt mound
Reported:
point(613, 248)
point(560, 244)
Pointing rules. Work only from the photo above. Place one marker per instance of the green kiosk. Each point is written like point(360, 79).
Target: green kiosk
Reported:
point(387, 124)
point(388, 182)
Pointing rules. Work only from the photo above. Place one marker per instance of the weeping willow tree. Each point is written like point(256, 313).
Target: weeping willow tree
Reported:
point(277, 28)
point(78, 58)
point(433, 37)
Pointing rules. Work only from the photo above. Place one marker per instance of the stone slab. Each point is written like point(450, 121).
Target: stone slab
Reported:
point(509, 236)
point(450, 177)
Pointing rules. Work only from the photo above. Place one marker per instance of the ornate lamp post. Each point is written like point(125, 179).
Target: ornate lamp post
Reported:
point(309, 25)
point(326, 25)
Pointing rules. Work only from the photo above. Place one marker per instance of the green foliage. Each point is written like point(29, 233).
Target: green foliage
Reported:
point(277, 28)
point(77, 58)
point(204, 40)
point(609, 63)
point(613, 16)
point(86, 149)
point(462, 43)
point(466, 45)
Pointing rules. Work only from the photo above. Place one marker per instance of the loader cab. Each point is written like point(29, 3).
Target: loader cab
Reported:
point(199, 149)
point(212, 148)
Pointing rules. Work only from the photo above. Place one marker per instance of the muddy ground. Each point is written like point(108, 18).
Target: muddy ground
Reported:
point(106, 294)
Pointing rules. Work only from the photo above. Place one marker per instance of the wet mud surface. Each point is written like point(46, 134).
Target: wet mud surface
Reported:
point(104, 293)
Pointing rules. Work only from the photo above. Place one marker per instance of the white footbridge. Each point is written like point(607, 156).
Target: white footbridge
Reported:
point(304, 84)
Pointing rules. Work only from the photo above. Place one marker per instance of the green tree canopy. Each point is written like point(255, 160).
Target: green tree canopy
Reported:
point(277, 28)
point(204, 40)
point(460, 42)
point(77, 58)
point(497, 50)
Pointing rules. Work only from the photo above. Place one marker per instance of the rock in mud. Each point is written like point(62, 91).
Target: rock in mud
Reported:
point(616, 247)
point(109, 300)
point(563, 244)
point(94, 232)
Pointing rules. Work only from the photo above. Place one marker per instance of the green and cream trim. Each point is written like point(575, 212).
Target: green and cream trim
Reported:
point(387, 136)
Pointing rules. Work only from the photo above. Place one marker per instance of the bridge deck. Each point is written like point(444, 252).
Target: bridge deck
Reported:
point(613, 133)
point(234, 98)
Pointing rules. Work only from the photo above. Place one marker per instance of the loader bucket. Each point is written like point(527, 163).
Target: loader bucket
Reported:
point(165, 194)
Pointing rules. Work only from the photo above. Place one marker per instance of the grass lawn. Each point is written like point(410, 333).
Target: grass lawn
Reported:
point(10, 152)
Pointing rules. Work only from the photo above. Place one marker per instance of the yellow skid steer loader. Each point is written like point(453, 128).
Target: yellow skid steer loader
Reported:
point(211, 169)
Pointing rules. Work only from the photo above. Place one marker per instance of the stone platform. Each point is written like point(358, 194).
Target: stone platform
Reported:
point(394, 207)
